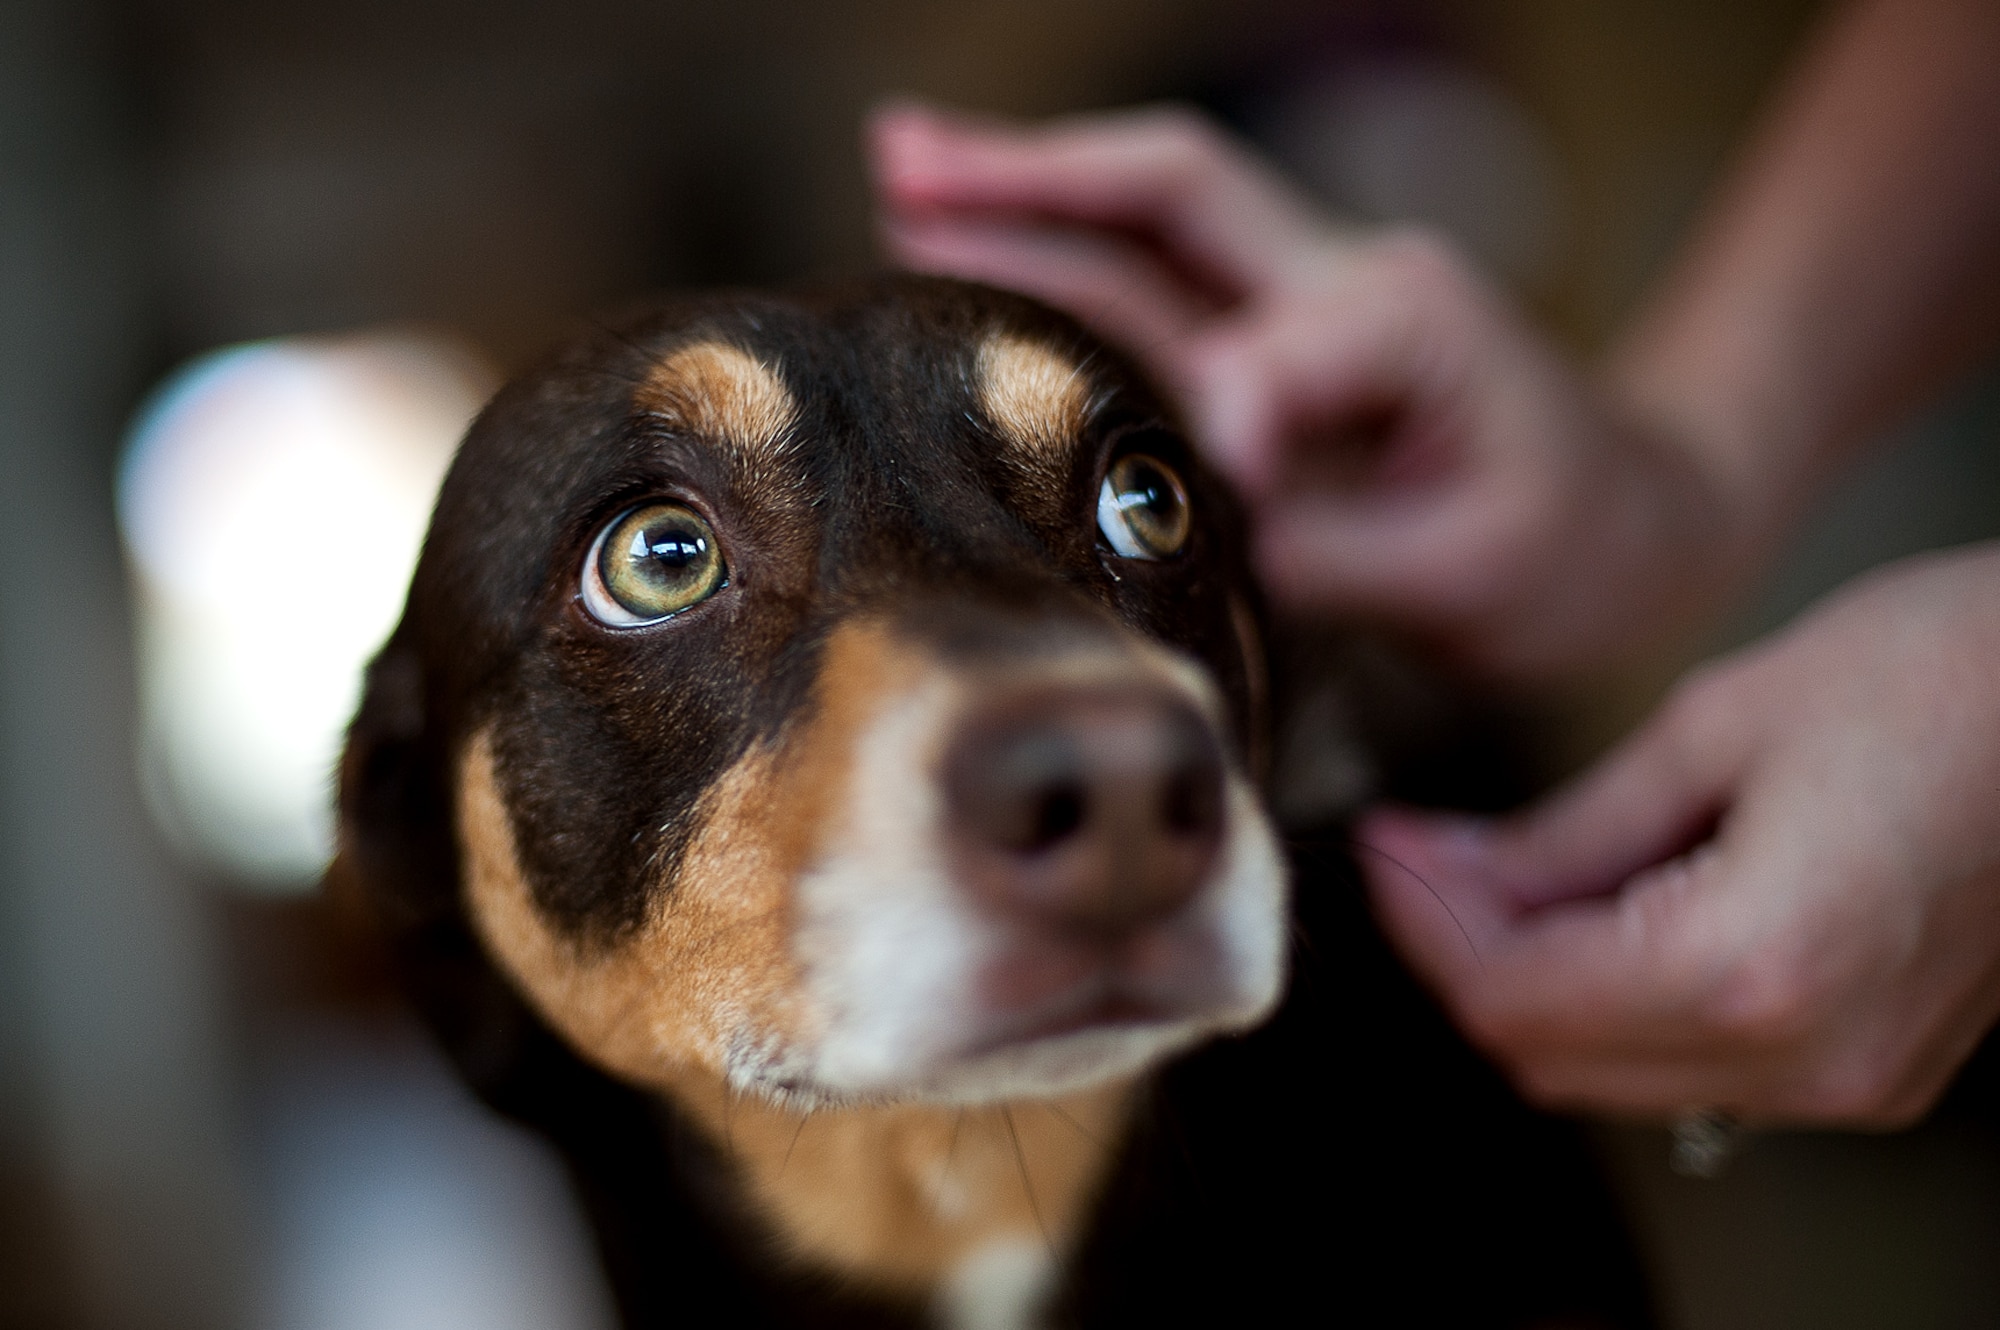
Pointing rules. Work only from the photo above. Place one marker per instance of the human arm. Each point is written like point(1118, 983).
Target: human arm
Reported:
point(1848, 268)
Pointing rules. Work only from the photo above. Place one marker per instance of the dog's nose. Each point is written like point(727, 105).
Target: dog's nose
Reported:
point(1094, 813)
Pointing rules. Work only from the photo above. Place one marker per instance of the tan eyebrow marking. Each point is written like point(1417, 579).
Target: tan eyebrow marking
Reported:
point(722, 392)
point(1036, 398)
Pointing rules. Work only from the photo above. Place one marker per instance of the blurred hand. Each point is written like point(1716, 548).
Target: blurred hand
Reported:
point(1828, 950)
point(1410, 449)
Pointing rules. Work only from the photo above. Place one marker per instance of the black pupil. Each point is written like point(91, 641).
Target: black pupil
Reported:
point(659, 561)
point(675, 547)
point(1153, 493)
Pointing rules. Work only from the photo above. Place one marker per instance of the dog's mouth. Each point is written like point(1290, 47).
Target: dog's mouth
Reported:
point(1088, 1011)
point(1040, 988)
point(1028, 1012)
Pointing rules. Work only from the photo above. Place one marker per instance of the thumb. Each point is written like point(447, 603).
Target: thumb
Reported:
point(1654, 797)
point(1650, 799)
point(1463, 898)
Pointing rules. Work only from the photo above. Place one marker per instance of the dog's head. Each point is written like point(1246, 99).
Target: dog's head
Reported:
point(851, 696)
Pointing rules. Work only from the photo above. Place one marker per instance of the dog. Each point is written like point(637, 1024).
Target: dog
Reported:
point(817, 781)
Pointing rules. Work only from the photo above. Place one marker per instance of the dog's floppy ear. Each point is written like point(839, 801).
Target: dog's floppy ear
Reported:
point(398, 859)
point(395, 844)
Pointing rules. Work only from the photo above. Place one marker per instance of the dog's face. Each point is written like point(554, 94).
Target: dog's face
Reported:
point(850, 697)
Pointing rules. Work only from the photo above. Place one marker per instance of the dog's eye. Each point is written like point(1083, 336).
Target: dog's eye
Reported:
point(650, 564)
point(1142, 508)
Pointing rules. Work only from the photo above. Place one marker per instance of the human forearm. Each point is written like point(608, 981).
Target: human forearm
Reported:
point(1849, 267)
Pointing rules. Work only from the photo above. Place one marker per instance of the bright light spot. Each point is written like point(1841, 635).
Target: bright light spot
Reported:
point(273, 499)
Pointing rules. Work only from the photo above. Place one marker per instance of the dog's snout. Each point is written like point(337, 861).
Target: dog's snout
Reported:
point(1094, 813)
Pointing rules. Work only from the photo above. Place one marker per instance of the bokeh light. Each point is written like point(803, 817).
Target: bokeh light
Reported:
point(272, 500)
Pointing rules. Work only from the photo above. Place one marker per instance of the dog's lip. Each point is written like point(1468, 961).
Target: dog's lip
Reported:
point(1170, 973)
point(1098, 1007)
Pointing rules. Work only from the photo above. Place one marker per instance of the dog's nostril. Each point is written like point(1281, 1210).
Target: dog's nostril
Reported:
point(1059, 812)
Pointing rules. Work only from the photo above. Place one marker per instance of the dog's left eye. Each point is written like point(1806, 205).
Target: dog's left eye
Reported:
point(1142, 508)
point(651, 564)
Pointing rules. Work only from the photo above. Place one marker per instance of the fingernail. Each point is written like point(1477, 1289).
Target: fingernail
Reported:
point(1450, 839)
point(1458, 838)
point(901, 136)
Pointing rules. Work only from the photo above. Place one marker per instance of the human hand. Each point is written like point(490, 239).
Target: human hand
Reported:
point(1781, 898)
point(1410, 449)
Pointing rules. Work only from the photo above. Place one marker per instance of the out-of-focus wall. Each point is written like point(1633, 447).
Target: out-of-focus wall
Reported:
point(501, 163)
point(118, 1197)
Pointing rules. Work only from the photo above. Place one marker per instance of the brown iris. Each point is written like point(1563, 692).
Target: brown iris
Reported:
point(1142, 508)
point(653, 562)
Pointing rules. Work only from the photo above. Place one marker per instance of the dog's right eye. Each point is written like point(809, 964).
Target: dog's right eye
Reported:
point(651, 564)
point(1142, 508)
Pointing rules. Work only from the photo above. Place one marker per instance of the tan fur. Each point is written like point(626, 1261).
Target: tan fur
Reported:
point(1037, 399)
point(895, 1195)
point(726, 395)
point(709, 960)
point(721, 392)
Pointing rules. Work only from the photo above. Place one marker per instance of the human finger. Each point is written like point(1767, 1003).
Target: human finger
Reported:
point(1422, 872)
point(1650, 800)
point(1648, 1087)
point(1396, 554)
point(1601, 927)
point(1631, 976)
point(1589, 1004)
point(1850, 1076)
point(1109, 285)
point(1161, 172)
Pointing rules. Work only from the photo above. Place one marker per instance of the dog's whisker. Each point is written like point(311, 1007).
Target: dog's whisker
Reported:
point(1302, 940)
point(1064, 1114)
point(1027, 1182)
point(804, 1118)
point(1419, 878)
point(1169, 1119)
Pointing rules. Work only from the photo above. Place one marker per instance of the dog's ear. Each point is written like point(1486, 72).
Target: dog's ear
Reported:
point(398, 860)
point(395, 847)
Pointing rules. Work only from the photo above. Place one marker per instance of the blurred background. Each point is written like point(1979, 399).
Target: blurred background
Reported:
point(211, 1113)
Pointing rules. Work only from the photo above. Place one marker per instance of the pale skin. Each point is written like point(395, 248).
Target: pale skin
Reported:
point(1781, 896)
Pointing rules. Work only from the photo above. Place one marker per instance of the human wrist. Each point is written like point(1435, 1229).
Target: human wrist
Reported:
point(1719, 420)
